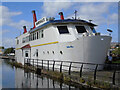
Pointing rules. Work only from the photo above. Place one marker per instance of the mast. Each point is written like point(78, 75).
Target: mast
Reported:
point(75, 14)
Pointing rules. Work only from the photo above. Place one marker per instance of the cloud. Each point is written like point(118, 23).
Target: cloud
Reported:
point(20, 24)
point(8, 42)
point(6, 15)
point(52, 8)
point(113, 18)
point(6, 18)
point(98, 12)
point(4, 31)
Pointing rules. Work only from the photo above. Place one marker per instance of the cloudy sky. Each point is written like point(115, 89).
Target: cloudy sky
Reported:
point(17, 14)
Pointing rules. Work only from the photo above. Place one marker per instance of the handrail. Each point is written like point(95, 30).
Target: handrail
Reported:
point(68, 66)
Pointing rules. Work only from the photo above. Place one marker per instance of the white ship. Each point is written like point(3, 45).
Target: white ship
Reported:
point(66, 39)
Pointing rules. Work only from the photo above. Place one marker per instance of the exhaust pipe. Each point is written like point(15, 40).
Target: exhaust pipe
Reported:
point(25, 30)
point(61, 15)
point(34, 18)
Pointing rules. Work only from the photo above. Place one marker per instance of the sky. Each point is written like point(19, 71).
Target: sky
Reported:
point(17, 14)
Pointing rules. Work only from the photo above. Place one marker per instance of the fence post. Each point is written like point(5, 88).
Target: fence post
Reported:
point(33, 62)
point(42, 64)
point(61, 67)
point(27, 61)
point(114, 77)
point(81, 70)
point(37, 63)
point(53, 65)
point(95, 72)
point(48, 65)
point(24, 61)
point(70, 68)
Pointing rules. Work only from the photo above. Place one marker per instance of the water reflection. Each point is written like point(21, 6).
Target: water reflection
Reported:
point(18, 78)
point(8, 75)
point(26, 79)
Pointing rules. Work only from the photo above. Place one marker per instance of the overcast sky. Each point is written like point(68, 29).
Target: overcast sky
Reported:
point(17, 14)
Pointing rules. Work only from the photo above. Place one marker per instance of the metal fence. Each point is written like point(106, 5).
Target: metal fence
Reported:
point(76, 70)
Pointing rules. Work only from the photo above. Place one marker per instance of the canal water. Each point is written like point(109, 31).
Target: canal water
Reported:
point(18, 78)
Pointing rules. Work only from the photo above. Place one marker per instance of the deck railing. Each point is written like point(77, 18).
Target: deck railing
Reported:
point(109, 73)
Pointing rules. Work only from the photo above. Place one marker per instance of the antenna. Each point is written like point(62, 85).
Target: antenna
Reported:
point(75, 14)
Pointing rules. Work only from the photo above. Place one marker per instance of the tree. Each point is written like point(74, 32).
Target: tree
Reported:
point(1, 47)
point(116, 51)
point(9, 50)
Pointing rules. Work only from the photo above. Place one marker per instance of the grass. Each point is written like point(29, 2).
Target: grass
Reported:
point(118, 61)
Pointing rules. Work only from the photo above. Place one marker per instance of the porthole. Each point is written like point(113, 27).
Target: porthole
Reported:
point(48, 52)
point(53, 52)
point(43, 52)
point(61, 52)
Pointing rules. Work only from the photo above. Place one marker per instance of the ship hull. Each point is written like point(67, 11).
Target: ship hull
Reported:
point(90, 49)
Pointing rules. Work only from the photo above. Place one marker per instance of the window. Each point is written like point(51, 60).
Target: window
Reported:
point(61, 52)
point(36, 52)
point(29, 37)
point(80, 29)
point(33, 36)
point(48, 52)
point(93, 29)
point(23, 40)
point(37, 35)
point(63, 29)
point(43, 52)
point(53, 52)
point(26, 53)
point(17, 41)
point(41, 35)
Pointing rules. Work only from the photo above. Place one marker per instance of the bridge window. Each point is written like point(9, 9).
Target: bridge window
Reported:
point(63, 29)
point(80, 29)
point(93, 29)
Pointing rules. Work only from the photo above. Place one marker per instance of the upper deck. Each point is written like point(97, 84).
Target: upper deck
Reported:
point(47, 22)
